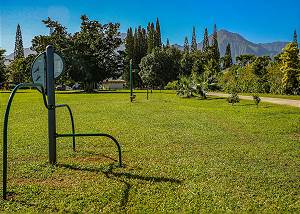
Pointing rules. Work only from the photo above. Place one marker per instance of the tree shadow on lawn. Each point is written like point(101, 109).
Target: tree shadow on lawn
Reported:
point(215, 98)
point(100, 92)
point(121, 176)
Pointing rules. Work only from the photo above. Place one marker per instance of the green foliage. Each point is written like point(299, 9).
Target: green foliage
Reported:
point(150, 37)
point(233, 98)
point(295, 39)
point(172, 85)
point(157, 34)
point(244, 60)
point(194, 41)
point(19, 50)
point(189, 86)
point(275, 77)
point(160, 67)
point(90, 54)
point(205, 41)
point(186, 63)
point(3, 70)
point(19, 70)
point(168, 43)
point(185, 87)
point(215, 50)
point(186, 46)
point(256, 99)
point(227, 59)
point(290, 68)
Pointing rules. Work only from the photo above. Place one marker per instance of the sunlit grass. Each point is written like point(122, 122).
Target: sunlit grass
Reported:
point(180, 155)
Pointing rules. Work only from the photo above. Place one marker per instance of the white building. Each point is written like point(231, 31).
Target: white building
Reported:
point(113, 84)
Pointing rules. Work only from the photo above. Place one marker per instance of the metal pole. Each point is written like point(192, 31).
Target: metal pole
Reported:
point(147, 93)
point(130, 77)
point(51, 104)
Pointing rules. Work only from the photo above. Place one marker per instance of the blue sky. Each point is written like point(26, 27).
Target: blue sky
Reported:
point(256, 20)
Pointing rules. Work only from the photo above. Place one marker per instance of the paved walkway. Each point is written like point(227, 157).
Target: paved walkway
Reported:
point(279, 101)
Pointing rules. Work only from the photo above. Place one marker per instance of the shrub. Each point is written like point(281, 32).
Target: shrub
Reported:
point(256, 99)
point(233, 98)
point(172, 85)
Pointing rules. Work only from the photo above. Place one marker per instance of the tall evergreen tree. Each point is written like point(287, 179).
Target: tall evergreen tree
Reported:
point(157, 34)
point(205, 41)
point(215, 50)
point(295, 40)
point(215, 44)
point(168, 43)
point(227, 63)
point(194, 41)
point(186, 46)
point(19, 50)
point(150, 37)
point(129, 44)
point(144, 42)
point(136, 49)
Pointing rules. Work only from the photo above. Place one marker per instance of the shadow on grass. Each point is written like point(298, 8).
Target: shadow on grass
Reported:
point(18, 92)
point(101, 92)
point(215, 98)
point(121, 176)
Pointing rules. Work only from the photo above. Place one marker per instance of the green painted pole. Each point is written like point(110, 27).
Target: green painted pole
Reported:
point(51, 104)
point(131, 82)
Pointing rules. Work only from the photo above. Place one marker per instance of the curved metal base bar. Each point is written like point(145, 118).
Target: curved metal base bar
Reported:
point(96, 135)
point(72, 121)
point(5, 127)
point(73, 135)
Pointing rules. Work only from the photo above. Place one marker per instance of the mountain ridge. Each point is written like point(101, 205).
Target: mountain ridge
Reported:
point(240, 45)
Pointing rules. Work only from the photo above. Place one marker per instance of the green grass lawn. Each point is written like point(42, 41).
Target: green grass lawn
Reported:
point(181, 155)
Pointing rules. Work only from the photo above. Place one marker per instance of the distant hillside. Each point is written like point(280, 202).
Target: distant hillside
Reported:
point(240, 45)
point(27, 51)
point(10, 57)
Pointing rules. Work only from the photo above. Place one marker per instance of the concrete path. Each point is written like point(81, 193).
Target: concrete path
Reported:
point(279, 101)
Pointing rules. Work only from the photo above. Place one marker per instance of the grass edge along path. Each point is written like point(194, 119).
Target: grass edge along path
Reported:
point(279, 101)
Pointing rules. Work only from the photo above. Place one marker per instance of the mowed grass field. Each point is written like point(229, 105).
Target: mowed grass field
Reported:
point(180, 155)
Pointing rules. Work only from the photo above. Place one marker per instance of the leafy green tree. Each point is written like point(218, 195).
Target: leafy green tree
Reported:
point(245, 59)
point(160, 67)
point(3, 74)
point(157, 34)
point(290, 68)
point(227, 60)
point(90, 54)
point(96, 58)
point(260, 66)
point(19, 50)
point(186, 46)
point(194, 41)
point(205, 41)
point(20, 69)
point(199, 62)
point(186, 63)
point(275, 77)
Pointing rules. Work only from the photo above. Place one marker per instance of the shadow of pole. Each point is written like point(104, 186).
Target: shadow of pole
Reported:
point(121, 176)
